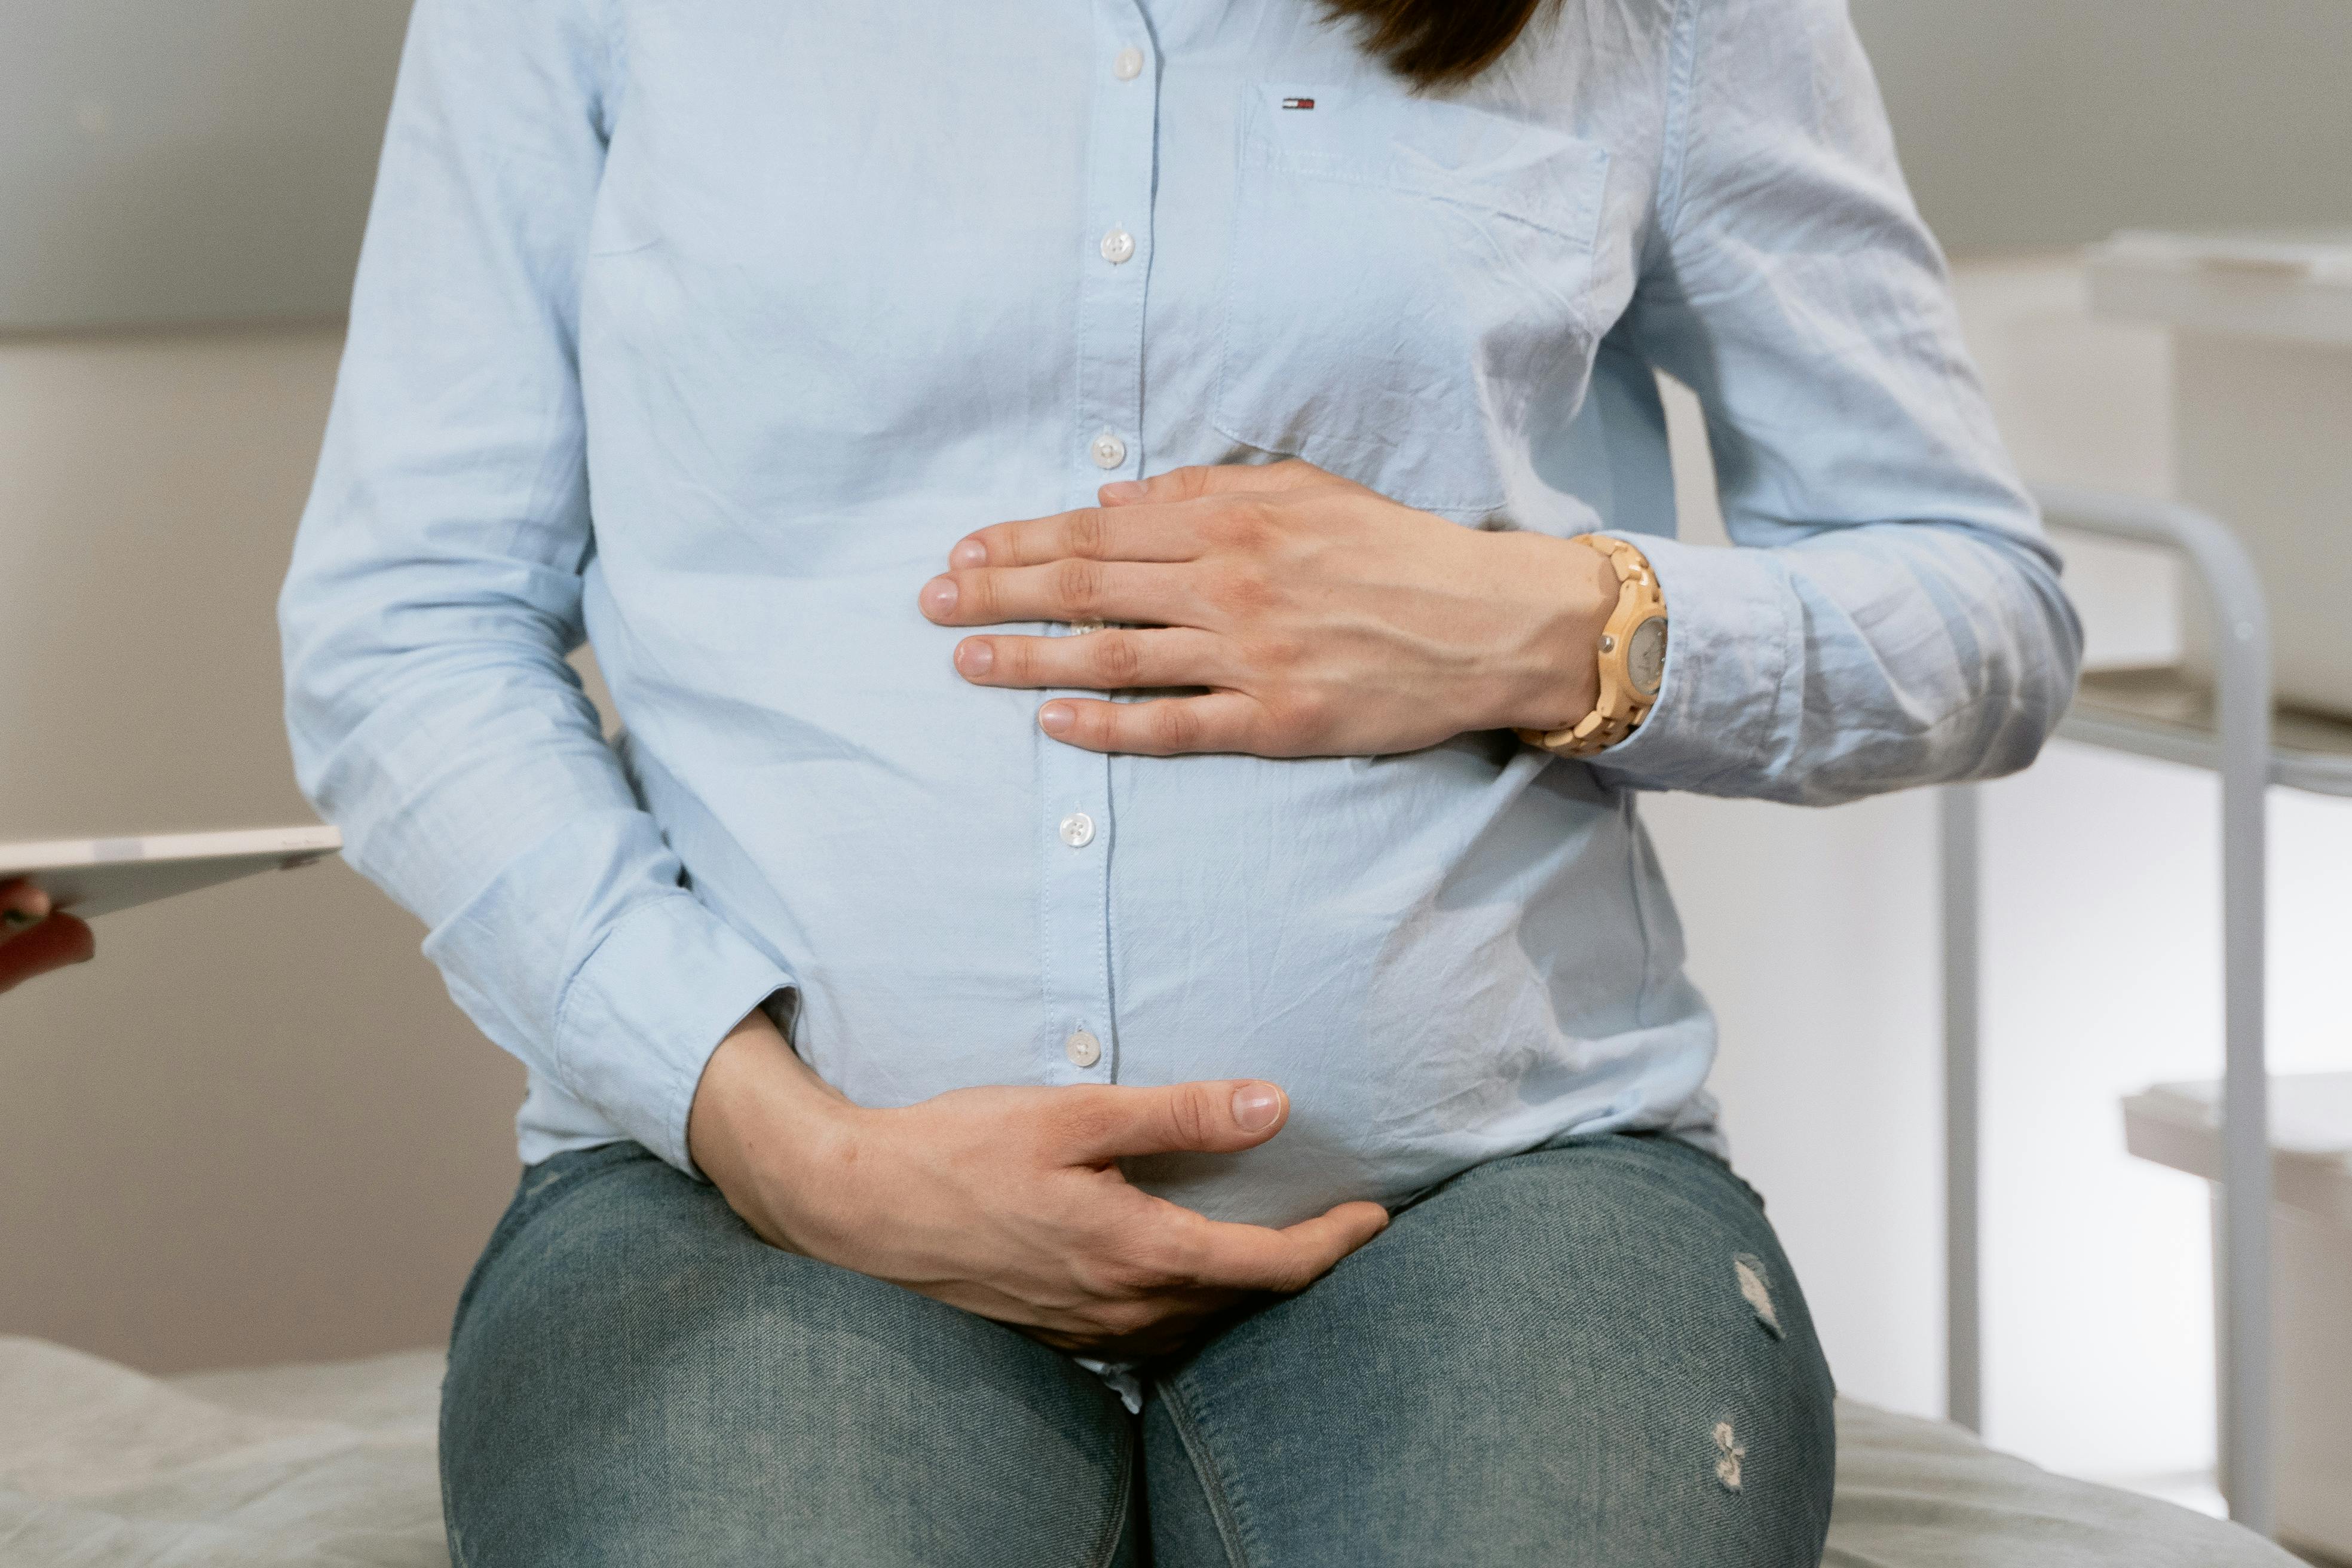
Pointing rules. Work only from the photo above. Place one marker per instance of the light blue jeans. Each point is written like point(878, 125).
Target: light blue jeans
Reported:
point(1594, 1353)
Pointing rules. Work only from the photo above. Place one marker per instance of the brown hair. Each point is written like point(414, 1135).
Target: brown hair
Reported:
point(1431, 42)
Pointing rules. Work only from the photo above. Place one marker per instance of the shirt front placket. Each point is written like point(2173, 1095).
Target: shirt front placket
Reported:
point(1106, 443)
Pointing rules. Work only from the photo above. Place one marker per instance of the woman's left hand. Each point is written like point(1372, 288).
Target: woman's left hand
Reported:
point(1322, 619)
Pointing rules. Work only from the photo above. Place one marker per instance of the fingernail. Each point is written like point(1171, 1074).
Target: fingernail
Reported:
point(1123, 489)
point(1055, 717)
point(1257, 1106)
point(975, 657)
point(970, 553)
point(939, 596)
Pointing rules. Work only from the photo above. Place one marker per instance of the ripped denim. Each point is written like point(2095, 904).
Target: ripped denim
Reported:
point(1594, 1353)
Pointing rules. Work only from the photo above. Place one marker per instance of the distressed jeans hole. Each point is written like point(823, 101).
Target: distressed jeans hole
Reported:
point(1729, 1451)
point(1756, 1290)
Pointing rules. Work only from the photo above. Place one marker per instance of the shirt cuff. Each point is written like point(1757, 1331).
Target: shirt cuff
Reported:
point(644, 1013)
point(1733, 633)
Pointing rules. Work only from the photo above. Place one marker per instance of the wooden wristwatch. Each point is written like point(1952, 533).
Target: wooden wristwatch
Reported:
point(1633, 657)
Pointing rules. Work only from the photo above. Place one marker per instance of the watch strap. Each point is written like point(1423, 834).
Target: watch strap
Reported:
point(1622, 706)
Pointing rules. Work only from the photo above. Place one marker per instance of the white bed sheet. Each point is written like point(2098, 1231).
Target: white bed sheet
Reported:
point(103, 1467)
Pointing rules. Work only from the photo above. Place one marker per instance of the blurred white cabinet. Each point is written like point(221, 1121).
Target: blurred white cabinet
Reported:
point(2261, 389)
point(2311, 1233)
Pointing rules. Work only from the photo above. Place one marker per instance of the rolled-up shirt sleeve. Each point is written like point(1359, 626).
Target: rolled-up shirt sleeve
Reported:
point(436, 583)
point(1893, 615)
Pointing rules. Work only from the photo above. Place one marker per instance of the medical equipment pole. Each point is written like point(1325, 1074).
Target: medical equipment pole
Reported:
point(2242, 645)
point(1956, 809)
point(2242, 1250)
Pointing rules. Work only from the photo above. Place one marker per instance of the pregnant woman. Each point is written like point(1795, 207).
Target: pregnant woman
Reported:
point(1114, 1005)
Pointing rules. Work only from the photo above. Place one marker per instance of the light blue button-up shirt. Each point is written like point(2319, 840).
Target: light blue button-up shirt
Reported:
point(703, 331)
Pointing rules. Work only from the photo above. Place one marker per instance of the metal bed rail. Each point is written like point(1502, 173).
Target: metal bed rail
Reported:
point(2239, 750)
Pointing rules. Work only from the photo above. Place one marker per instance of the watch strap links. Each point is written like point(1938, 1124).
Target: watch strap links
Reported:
point(1622, 705)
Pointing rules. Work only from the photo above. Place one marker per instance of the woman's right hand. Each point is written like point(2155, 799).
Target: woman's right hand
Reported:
point(32, 939)
point(1008, 1202)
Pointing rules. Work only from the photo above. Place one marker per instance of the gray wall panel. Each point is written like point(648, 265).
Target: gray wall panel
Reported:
point(168, 161)
point(2029, 123)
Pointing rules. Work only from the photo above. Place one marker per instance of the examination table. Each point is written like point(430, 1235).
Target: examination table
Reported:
point(102, 1466)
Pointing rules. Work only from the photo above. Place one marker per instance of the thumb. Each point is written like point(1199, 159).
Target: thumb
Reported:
point(23, 904)
point(55, 942)
point(1221, 1116)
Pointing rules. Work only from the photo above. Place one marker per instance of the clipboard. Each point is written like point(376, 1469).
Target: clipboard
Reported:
point(92, 877)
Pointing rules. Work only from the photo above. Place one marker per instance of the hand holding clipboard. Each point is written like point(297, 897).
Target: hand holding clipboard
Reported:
point(49, 890)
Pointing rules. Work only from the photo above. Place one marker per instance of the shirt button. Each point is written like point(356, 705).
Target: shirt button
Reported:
point(1127, 64)
point(1077, 830)
point(1117, 245)
point(1108, 451)
point(1083, 1049)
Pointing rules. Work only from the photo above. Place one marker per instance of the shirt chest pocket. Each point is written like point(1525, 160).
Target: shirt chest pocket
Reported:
point(1406, 278)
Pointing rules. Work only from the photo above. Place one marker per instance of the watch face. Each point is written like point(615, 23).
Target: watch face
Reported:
point(1645, 656)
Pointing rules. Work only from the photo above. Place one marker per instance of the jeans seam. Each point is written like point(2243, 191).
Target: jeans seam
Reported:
point(1205, 1470)
point(1109, 1552)
point(449, 1531)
